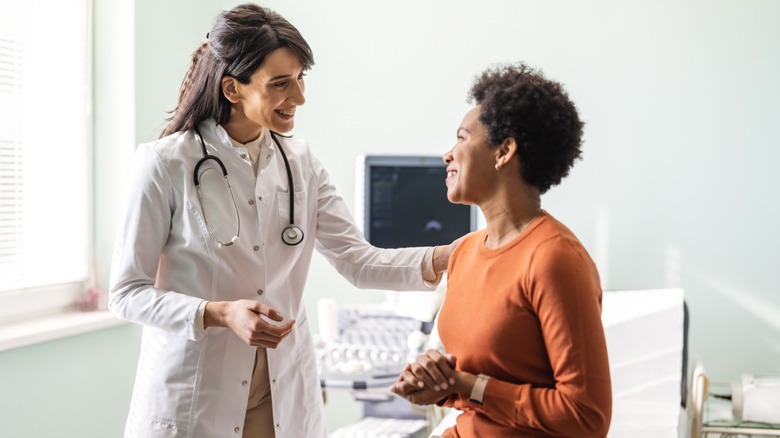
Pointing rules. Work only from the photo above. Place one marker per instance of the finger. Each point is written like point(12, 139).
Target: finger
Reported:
point(266, 340)
point(455, 243)
point(262, 309)
point(446, 364)
point(421, 374)
point(265, 332)
point(438, 368)
point(283, 329)
point(262, 326)
point(398, 389)
point(405, 394)
point(402, 387)
point(412, 380)
point(452, 360)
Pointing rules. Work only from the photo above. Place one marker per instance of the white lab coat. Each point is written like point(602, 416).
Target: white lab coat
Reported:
point(194, 383)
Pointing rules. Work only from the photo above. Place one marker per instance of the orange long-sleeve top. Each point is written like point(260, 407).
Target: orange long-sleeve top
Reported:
point(528, 314)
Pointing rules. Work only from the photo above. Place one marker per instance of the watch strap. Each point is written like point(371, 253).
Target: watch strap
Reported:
point(478, 390)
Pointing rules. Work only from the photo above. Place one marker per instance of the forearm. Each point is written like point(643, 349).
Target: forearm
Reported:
point(150, 306)
point(554, 411)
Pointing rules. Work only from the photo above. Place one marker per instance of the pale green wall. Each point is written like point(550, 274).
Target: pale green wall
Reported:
point(75, 387)
point(677, 187)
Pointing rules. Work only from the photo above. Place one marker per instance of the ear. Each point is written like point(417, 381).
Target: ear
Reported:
point(230, 89)
point(506, 150)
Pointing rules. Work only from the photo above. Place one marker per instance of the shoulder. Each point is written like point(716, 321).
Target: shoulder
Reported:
point(550, 234)
point(177, 146)
point(467, 248)
point(293, 146)
point(297, 150)
point(557, 249)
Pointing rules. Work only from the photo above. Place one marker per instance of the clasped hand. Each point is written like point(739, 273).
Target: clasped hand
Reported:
point(246, 319)
point(430, 378)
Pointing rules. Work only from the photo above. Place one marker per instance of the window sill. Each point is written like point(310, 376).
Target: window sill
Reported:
point(52, 327)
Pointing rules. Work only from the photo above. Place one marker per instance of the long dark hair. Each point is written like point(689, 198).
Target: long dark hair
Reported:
point(236, 46)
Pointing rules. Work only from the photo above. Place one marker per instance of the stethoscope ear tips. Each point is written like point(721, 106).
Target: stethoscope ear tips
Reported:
point(292, 235)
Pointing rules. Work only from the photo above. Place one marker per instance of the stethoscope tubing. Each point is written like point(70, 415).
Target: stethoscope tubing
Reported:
point(291, 235)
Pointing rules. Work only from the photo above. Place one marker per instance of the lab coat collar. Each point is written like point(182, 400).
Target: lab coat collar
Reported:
point(216, 136)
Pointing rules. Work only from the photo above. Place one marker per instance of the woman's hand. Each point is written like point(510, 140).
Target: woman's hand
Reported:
point(423, 381)
point(431, 370)
point(415, 394)
point(243, 317)
point(441, 255)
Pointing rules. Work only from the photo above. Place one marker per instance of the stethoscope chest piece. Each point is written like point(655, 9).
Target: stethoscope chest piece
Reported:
point(292, 235)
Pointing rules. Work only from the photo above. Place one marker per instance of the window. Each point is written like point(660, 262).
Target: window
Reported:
point(45, 155)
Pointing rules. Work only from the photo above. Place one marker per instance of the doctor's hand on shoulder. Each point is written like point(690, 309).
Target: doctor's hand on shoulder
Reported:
point(246, 318)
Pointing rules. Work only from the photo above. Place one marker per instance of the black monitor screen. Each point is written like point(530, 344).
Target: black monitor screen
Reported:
point(406, 204)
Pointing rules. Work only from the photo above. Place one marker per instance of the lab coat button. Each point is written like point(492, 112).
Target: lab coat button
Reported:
point(251, 202)
point(260, 198)
point(274, 380)
point(236, 429)
point(259, 291)
point(243, 156)
point(256, 248)
point(277, 424)
point(244, 383)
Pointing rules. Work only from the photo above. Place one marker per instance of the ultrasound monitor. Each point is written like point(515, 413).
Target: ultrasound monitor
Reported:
point(402, 202)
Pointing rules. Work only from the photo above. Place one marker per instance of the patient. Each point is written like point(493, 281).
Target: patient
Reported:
point(521, 320)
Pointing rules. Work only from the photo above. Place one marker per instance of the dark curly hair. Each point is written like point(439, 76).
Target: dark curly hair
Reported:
point(517, 101)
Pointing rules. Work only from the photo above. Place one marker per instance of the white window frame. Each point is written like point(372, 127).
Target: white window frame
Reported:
point(25, 304)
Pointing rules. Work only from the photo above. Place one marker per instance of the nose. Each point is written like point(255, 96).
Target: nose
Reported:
point(447, 157)
point(296, 94)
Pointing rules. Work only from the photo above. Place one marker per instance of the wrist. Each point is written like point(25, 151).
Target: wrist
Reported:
point(464, 381)
point(441, 257)
point(214, 314)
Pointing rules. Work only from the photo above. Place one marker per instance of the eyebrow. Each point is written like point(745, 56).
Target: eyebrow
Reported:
point(463, 129)
point(277, 77)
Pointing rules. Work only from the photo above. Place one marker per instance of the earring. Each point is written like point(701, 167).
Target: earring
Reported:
point(498, 168)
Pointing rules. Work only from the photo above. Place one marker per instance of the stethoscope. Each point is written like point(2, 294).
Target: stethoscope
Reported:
point(292, 235)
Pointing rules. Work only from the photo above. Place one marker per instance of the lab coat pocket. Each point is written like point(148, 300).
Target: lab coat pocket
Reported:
point(165, 386)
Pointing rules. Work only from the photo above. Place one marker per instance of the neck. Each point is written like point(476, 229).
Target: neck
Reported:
point(508, 213)
point(241, 129)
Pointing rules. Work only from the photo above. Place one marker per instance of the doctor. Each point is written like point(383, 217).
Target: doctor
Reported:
point(214, 248)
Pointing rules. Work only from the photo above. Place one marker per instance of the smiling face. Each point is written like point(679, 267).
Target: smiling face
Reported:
point(273, 93)
point(471, 175)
